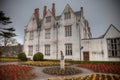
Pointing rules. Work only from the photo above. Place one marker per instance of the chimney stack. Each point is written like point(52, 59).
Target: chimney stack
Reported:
point(36, 14)
point(81, 12)
point(45, 11)
point(53, 9)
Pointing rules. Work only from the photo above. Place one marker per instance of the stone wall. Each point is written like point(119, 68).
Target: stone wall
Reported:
point(11, 50)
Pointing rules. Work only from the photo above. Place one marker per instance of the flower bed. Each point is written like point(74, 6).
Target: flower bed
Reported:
point(43, 63)
point(102, 68)
point(93, 77)
point(93, 62)
point(60, 72)
point(9, 60)
point(15, 72)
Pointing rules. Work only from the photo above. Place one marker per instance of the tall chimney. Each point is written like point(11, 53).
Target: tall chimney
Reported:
point(81, 12)
point(53, 9)
point(36, 14)
point(45, 11)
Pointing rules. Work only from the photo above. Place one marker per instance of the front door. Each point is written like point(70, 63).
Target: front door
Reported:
point(86, 56)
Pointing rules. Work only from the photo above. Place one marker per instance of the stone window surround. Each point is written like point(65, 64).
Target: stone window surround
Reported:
point(68, 49)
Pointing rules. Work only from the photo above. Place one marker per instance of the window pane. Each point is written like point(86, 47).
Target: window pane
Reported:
point(30, 52)
point(47, 33)
point(68, 49)
point(67, 15)
point(114, 48)
point(47, 50)
point(48, 19)
point(68, 30)
point(31, 35)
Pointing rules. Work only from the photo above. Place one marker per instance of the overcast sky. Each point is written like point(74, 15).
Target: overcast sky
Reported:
point(99, 13)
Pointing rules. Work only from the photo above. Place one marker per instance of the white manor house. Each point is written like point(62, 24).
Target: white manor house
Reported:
point(69, 33)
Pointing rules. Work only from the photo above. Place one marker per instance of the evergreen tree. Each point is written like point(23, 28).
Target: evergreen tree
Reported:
point(6, 32)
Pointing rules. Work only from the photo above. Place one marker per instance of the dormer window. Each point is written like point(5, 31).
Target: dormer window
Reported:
point(67, 15)
point(48, 19)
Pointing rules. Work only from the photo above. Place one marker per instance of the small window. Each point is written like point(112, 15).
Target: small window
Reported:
point(68, 49)
point(47, 50)
point(30, 52)
point(47, 33)
point(31, 35)
point(48, 19)
point(68, 30)
point(67, 15)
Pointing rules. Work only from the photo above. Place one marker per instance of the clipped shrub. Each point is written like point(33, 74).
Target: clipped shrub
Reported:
point(22, 56)
point(38, 56)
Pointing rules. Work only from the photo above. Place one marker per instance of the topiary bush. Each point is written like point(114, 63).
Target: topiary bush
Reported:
point(22, 56)
point(38, 56)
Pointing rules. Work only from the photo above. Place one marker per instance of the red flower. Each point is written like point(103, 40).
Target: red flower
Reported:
point(15, 77)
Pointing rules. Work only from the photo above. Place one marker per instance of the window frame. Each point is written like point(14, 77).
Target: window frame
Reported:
point(68, 49)
point(48, 19)
point(68, 30)
point(113, 47)
point(47, 33)
point(30, 50)
point(47, 50)
point(67, 15)
point(31, 35)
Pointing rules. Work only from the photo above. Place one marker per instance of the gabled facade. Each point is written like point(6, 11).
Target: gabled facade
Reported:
point(53, 34)
point(104, 48)
point(70, 33)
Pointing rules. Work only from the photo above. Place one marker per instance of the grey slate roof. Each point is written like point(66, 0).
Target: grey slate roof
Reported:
point(77, 13)
point(58, 17)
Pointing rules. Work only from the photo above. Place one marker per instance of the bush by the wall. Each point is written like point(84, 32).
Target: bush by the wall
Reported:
point(38, 56)
point(22, 56)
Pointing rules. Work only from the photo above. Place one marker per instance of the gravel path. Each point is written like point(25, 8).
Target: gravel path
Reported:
point(42, 76)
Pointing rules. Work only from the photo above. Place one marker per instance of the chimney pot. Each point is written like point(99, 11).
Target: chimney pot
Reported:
point(36, 10)
point(36, 14)
point(81, 12)
point(81, 8)
point(45, 11)
point(53, 9)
